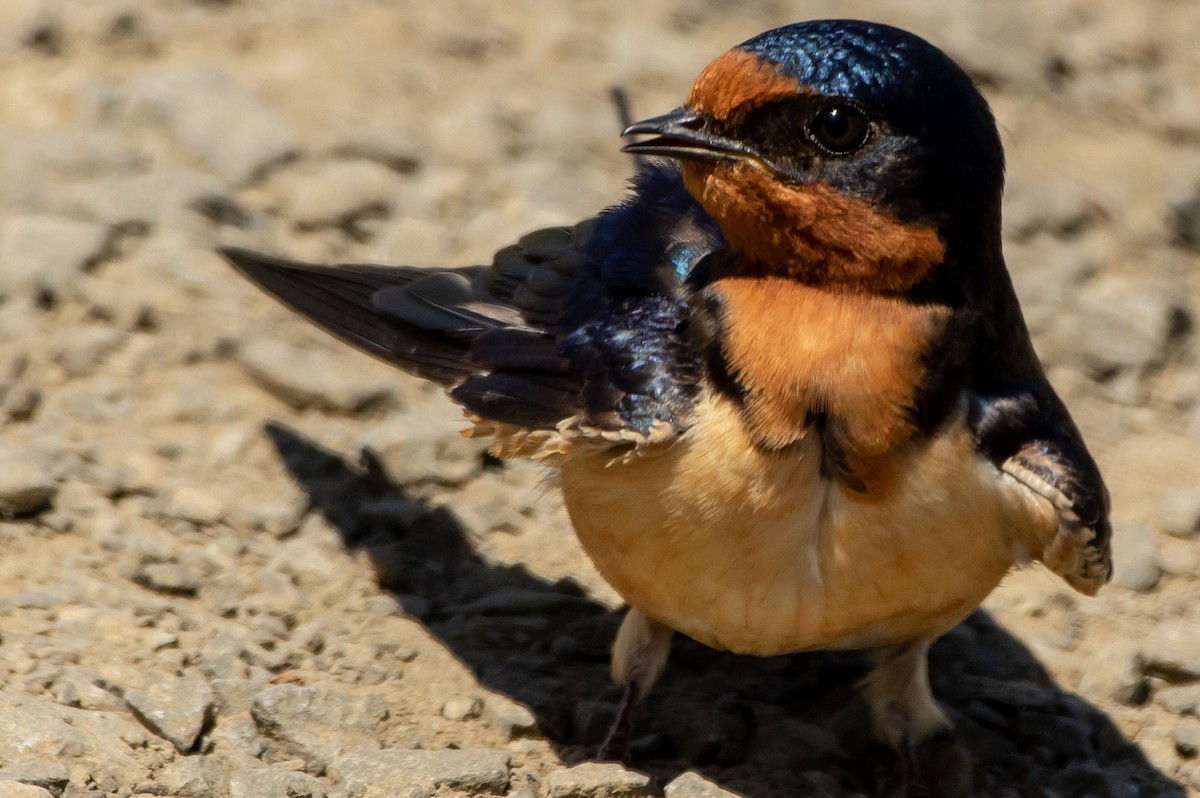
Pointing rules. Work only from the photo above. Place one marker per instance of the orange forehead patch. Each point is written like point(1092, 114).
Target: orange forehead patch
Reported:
point(812, 232)
point(737, 82)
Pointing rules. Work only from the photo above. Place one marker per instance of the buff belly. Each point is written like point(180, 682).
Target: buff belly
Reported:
point(757, 552)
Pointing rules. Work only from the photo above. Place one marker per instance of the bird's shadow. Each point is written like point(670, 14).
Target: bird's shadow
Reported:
point(789, 725)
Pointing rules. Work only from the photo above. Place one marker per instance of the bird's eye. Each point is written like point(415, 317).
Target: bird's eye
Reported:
point(839, 129)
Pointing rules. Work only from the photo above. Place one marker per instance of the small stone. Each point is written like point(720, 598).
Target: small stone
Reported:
point(337, 193)
point(35, 728)
point(1187, 216)
point(461, 709)
point(1187, 739)
point(397, 149)
point(1135, 554)
point(25, 488)
point(597, 780)
point(1046, 273)
point(37, 163)
point(15, 789)
point(305, 378)
point(693, 785)
point(1128, 322)
point(508, 717)
point(315, 724)
point(233, 696)
point(195, 777)
point(22, 403)
point(236, 738)
point(219, 120)
point(279, 514)
point(474, 771)
point(175, 710)
point(195, 505)
point(309, 563)
point(223, 659)
point(1115, 674)
point(41, 30)
point(1190, 774)
point(1179, 512)
point(274, 783)
point(171, 578)
point(144, 200)
point(425, 444)
point(81, 349)
point(1180, 557)
point(1182, 700)
point(77, 689)
point(1172, 650)
point(47, 774)
point(45, 253)
point(1061, 207)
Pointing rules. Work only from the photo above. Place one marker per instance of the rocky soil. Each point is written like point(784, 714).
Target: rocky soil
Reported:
point(239, 559)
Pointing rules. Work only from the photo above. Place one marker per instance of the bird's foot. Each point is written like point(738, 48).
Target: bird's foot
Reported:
point(639, 657)
point(903, 709)
point(615, 747)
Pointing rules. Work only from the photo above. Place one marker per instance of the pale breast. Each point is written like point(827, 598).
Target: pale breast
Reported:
point(757, 552)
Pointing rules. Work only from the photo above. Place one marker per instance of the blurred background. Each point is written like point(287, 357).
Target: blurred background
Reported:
point(207, 588)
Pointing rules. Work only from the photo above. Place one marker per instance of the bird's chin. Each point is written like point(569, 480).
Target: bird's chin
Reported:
point(811, 231)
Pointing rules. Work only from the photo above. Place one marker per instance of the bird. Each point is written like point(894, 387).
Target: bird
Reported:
point(785, 385)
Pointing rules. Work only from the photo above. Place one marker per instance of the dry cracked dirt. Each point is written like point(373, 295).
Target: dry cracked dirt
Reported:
point(239, 559)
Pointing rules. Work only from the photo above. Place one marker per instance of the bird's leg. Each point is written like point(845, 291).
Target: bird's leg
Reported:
point(903, 709)
point(638, 659)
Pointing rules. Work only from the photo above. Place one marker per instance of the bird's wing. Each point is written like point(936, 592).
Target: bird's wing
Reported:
point(1021, 425)
point(586, 326)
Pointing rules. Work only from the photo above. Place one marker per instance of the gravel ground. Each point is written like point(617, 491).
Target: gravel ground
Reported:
point(240, 559)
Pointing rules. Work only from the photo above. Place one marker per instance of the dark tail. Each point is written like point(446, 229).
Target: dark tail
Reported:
point(343, 300)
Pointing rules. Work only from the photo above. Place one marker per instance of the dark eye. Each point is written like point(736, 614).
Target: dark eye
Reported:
point(840, 129)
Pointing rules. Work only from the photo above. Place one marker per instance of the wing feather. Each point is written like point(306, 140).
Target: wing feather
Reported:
point(583, 325)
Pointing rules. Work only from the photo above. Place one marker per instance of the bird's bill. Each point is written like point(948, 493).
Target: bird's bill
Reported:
point(683, 134)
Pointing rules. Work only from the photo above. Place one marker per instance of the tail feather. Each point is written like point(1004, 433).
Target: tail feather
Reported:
point(342, 300)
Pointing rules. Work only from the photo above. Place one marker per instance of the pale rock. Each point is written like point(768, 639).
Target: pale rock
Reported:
point(1137, 563)
point(1172, 650)
point(222, 122)
point(305, 378)
point(269, 782)
point(693, 785)
point(174, 709)
point(336, 193)
point(315, 724)
point(1125, 323)
point(1179, 512)
point(1115, 674)
point(389, 772)
point(45, 253)
point(597, 780)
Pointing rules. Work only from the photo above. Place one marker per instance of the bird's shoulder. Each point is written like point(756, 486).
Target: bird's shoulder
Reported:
point(609, 325)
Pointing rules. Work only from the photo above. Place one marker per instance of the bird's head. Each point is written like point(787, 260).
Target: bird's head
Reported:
point(846, 154)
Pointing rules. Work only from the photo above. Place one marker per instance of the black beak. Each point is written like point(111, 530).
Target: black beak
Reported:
point(684, 134)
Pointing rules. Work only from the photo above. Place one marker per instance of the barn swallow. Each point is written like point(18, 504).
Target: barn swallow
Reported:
point(786, 384)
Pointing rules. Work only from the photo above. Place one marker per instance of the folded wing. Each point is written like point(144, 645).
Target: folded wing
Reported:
point(590, 324)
